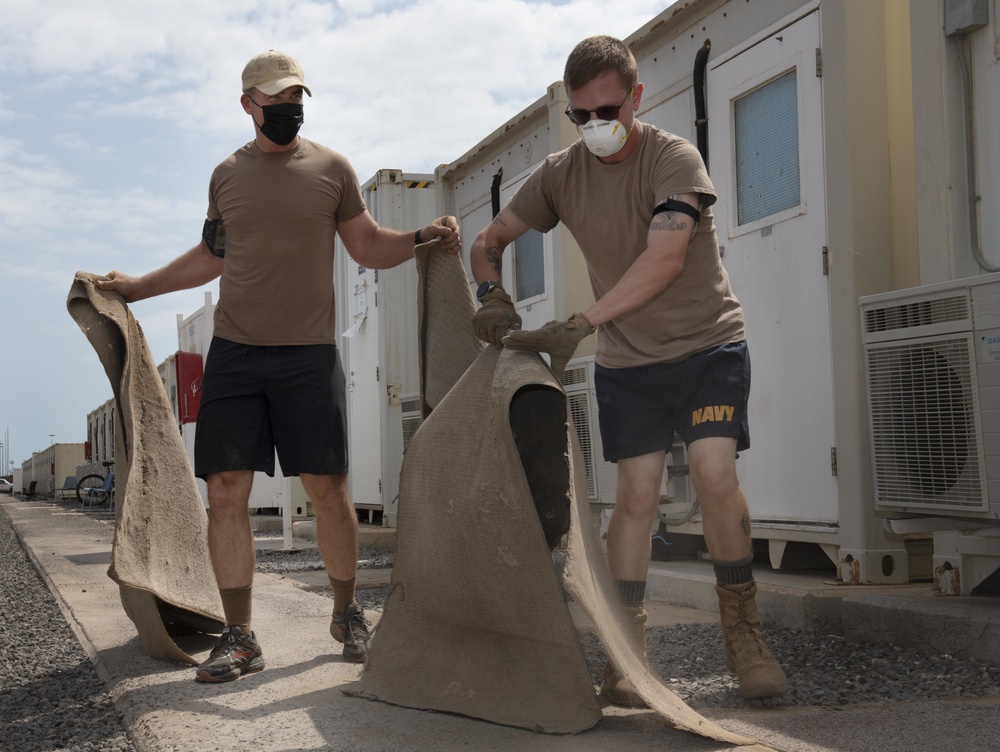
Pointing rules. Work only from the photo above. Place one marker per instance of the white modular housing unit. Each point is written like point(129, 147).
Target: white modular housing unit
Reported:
point(829, 129)
point(100, 445)
point(377, 322)
point(804, 122)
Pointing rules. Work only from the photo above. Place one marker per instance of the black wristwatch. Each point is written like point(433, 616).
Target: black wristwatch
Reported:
point(484, 288)
point(416, 237)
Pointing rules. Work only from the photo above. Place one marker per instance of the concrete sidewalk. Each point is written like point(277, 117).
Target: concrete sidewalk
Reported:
point(297, 702)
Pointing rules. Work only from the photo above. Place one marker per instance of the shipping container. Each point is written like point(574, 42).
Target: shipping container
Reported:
point(377, 324)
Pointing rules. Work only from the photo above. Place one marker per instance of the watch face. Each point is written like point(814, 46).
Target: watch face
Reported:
point(484, 288)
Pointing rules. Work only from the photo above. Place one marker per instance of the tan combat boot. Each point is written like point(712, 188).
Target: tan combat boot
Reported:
point(616, 688)
point(759, 673)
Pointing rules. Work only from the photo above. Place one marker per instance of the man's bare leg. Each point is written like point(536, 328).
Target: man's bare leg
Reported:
point(726, 525)
point(337, 538)
point(629, 541)
point(231, 546)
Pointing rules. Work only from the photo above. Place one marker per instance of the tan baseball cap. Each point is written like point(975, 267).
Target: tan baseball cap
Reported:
point(272, 72)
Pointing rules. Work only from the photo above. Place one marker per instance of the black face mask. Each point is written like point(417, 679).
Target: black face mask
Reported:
point(281, 122)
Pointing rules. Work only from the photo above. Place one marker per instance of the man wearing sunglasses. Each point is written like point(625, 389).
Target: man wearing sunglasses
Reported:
point(671, 350)
point(273, 377)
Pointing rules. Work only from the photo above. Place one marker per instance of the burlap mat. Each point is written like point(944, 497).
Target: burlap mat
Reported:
point(476, 621)
point(159, 557)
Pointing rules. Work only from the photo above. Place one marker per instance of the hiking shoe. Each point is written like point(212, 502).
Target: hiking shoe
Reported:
point(351, 628)
point(236, 653)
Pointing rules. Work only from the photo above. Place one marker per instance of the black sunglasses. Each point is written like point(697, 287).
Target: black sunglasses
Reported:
point(605, 112)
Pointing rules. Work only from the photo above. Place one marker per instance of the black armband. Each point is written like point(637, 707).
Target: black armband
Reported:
point(214, 234)
point(683, 207)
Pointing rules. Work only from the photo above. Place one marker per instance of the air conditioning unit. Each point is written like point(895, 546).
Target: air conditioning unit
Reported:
point(578, 383)
point(932, 375)
point(412, 416)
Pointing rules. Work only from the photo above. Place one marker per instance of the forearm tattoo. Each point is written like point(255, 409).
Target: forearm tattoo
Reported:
point(493, 257)
point(745, 524)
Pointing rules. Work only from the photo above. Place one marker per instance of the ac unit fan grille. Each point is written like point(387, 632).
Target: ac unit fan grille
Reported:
point(925, 425)
point(580, 412)
point(917, 314)
point(410, 426)
point(575, 375)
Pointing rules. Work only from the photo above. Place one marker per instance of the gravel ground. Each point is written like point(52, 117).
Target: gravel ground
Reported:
point(52, 699)
point(276, 561)
point(50, 696)
point(823, 670)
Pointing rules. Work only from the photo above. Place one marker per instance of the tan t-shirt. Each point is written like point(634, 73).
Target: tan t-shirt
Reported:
point(280, 212)
point(608, 209)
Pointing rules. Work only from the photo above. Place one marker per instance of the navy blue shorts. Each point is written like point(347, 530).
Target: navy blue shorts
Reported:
point(705, 395)
point(258, 399)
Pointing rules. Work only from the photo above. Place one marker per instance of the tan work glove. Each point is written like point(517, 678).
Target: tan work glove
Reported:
point(496, 317)
point(557, 338)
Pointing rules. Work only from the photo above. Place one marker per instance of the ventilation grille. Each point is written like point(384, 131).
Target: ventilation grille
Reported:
point(579, 409)
point(410, 425)
point(925, 425)
point(921, 313)
point(412, 416)
point(575, 375)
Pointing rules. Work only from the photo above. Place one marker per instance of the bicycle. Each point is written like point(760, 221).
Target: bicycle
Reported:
point(96, 488)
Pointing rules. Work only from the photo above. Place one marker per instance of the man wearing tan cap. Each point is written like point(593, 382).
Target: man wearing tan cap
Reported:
point(273, 377)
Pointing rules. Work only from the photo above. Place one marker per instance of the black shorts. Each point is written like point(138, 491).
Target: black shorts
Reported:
point(256, 399)
point(705, 395)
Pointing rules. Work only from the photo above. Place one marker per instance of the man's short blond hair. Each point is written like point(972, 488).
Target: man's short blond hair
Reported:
point(596, 55)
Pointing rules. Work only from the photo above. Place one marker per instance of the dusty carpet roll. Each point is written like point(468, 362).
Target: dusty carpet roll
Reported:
point(159, 557)
point(475, 621)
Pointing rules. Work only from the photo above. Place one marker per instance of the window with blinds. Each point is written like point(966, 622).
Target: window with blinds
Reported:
point(529, 265)
point(767, 149)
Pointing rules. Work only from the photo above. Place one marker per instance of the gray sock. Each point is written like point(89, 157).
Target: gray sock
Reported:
point(633, 592)
point(734, 572)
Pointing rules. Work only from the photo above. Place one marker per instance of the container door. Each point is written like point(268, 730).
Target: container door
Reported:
point(766, 160)
point(359, 334)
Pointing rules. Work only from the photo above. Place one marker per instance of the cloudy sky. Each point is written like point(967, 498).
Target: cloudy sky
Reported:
point(113, 114)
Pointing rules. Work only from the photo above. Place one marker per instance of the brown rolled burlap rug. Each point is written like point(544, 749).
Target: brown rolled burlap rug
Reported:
point(159, 557)
point(476, 620)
